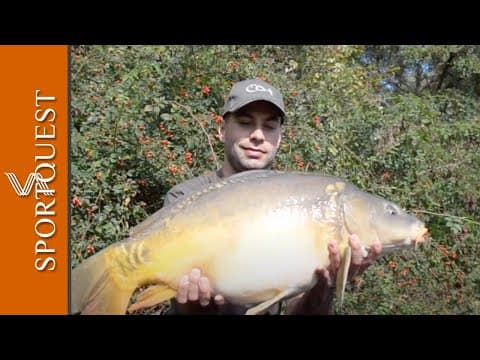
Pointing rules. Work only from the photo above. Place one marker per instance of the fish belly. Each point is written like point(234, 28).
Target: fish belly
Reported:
point(271, 254)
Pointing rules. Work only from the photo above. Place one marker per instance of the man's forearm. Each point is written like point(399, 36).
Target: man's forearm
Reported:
point(194, 308)
point(311, 304)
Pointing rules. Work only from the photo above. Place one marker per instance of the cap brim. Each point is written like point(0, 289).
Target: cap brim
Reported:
point(248, 101)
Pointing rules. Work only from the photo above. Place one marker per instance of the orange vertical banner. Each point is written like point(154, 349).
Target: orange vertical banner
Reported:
point(34, 179)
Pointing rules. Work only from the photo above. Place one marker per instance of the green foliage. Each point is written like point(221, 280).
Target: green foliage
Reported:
point(399, 121)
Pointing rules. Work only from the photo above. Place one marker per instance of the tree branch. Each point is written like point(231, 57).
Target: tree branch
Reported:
point(189, 110)
point(448, 65)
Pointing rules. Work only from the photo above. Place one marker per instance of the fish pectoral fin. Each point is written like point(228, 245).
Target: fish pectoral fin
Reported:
point(258, 309)
point(342, 274)
point(152, 296)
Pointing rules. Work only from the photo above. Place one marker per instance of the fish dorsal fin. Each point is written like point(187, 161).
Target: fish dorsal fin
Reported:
point(244, 176)
point(342, 273)
point(164, 215)
point(241, 177)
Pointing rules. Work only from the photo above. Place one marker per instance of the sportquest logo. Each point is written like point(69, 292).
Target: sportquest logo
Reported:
point(34, 186)
point(39, 181)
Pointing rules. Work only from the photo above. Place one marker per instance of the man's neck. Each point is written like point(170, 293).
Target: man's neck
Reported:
point(226, 171)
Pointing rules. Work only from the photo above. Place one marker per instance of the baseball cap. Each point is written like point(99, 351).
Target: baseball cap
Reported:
point(247, 91)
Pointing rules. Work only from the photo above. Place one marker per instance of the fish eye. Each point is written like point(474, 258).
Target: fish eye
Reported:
point(391, 210)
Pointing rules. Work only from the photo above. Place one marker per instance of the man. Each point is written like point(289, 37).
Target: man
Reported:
point(251, 131)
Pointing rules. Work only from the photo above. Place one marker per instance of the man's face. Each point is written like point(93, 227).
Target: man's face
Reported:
point(252, 136)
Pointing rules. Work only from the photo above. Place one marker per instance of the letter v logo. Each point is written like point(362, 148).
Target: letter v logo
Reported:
point(27, 188)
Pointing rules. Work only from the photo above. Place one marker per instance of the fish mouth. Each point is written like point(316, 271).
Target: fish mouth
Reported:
point(388, 248)
point(422, 236)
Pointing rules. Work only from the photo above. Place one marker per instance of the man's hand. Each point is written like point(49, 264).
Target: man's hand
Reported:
point(318, 299)
point(359, 263)
point(195, 293)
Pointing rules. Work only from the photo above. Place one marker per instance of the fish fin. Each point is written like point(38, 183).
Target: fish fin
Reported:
point(95, 291)
point(342, 274)
point(152, 296)
point(258, 309)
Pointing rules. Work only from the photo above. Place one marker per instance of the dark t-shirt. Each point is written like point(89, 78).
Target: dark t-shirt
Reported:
point(187, 188)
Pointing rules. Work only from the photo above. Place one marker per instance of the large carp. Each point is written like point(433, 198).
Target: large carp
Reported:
point(258, 236)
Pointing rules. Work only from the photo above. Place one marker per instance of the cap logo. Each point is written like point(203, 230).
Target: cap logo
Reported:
point(255, 88)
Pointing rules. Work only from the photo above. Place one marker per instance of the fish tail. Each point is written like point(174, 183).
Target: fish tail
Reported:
point(95, 289)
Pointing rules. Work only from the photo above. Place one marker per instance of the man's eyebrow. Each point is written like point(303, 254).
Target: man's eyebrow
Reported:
point(275, 117)
point(244, 113)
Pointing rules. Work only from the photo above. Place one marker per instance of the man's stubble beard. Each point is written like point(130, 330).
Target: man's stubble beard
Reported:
point(238, 165)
